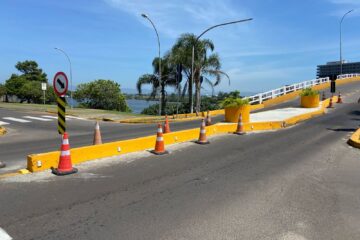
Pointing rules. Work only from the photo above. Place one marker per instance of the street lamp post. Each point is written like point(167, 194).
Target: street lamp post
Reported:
point(193, 53)
point(342, 19)
point(158, 39)
point(71, 92)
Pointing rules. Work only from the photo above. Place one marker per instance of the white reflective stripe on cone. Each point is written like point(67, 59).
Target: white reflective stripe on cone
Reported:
point(4, 235)
point(97, 127)
point(202, 131)
point(159, 130)
point(65, 141)
point(65, 153)
point(158, 139)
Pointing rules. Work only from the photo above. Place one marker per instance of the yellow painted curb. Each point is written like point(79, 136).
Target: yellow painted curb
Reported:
point(355, 139)
point(2, 131)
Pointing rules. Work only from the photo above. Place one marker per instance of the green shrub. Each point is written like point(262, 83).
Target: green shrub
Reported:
point(309, 92)
point(234, 102)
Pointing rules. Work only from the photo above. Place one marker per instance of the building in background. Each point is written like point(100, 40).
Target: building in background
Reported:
point(332, 69)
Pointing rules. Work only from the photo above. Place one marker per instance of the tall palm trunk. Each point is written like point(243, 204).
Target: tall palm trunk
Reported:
point(163, 100)
point(197, 91)
point(190, 87)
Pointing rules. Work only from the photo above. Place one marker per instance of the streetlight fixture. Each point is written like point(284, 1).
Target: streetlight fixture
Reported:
point(193, 52)
point(342, 19)
point(158, 39)
point(71, 92)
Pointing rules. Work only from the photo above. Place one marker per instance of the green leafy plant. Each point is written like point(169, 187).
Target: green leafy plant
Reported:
point(309, 92)
point(234, 102)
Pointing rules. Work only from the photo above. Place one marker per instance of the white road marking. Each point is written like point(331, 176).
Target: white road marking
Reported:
point(4, 235)
point(38, 118)
point(3, 123)
point(16, 119)
point(75, 117)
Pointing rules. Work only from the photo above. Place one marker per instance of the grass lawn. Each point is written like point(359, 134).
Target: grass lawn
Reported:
point(79, 112)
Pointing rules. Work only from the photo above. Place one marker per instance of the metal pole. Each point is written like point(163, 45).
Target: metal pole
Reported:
point(193, 50)
point(71, 92)
point(192, 79)
point(341, 61)
point(44, 98)
point(160, 78)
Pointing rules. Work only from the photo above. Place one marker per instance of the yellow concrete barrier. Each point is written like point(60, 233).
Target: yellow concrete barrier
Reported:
point(355, 139)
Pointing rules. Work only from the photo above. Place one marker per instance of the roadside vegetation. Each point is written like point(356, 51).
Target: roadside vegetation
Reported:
point(176, 72)
point(25, 87)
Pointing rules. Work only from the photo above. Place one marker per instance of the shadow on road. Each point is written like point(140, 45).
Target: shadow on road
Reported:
point(342, 129)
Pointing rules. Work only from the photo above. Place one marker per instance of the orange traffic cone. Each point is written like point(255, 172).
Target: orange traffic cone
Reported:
point(240, 127)
point(97, 135)
point(323, 97)
point(208, 119)
point(331, 102)
point(202, 135)
point(159, 145)
point(65, 165)
point(166, 125)
point(339, 98)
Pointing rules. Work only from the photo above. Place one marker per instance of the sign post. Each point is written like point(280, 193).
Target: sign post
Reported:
point(43, 87)
point(61, 84)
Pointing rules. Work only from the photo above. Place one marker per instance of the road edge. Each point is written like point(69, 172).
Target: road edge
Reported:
point(354, 140)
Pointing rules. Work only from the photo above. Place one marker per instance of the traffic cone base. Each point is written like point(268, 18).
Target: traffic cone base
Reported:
point(202, 142)
point(159, 153)
point(239, 133)
point(63, 173)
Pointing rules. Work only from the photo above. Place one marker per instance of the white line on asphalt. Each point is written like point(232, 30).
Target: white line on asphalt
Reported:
point(4, 235)
point(38, 118)
point(3, 123)
point(16, 119)
point(54, 117)
point(75, 117)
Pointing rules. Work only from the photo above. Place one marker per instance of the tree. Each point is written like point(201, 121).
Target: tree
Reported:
point(31, 71)
point(205, 66)
point(168, 76)
point(101, 94)
point(2, 90)
point(27, 86)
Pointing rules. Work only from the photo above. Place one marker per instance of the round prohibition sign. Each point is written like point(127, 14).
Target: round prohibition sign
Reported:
point(60, 84)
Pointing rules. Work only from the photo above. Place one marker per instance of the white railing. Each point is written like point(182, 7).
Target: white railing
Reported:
point(261, 97)
point(348, 75)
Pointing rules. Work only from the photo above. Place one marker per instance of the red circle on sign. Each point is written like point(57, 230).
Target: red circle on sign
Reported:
point(60, 92)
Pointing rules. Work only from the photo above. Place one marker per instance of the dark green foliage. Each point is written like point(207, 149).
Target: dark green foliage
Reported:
point(101, 94)
point(27, 86)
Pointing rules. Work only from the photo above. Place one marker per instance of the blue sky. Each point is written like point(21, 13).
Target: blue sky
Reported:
point(109, 39)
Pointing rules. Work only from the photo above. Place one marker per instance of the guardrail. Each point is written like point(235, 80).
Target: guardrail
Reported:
point(348, 75)
point(261, 97)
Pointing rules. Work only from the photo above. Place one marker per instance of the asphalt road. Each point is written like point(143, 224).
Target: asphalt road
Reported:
point(38, 136)
point(293, 184)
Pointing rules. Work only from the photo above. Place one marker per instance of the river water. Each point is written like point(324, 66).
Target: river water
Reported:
point(138, 105)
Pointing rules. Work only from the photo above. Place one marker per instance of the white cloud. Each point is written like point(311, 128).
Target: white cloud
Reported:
point(175, 17)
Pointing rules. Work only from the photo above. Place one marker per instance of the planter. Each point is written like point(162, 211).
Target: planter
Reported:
point(310, 101)
point(232, 114)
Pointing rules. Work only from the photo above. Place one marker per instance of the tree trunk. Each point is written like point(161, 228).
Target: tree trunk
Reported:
point(190, 94)
point(198, 97)
point(163, 100)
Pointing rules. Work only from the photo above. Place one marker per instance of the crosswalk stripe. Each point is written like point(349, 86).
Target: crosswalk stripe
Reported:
point(3, 123)
point(16, 119)
point(38, 118)
point(79, 118)
point(4, 235)
point(54, 117)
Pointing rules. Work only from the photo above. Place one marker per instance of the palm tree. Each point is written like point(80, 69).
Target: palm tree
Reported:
point(205, 66)
point(168, 75)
